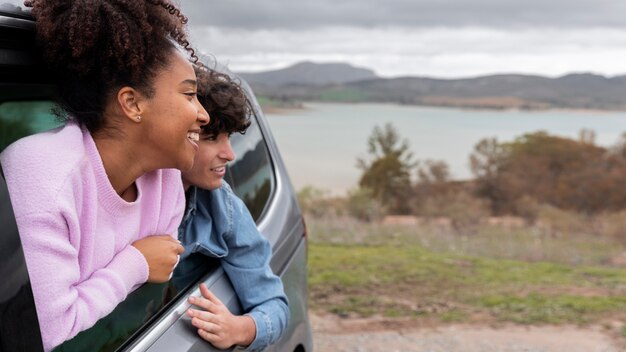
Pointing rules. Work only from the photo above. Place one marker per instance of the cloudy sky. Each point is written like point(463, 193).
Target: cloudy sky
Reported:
point(436, 38)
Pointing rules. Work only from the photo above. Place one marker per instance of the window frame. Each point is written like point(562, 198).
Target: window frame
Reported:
point(270, 162)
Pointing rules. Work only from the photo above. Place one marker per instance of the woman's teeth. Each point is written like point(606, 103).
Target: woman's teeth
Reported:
point(194, 136)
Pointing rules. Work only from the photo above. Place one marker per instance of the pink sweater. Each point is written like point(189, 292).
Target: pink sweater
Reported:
point(76, 231)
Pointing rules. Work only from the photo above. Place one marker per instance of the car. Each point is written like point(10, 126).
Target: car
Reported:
point(152, 317)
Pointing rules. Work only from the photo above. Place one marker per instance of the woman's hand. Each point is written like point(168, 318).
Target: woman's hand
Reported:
point(162, 253)
point(217, 324)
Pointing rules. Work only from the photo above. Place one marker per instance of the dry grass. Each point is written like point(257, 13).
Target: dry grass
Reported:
point(426, 270)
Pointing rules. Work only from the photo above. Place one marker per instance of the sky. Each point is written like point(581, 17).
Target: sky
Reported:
point(433, 38)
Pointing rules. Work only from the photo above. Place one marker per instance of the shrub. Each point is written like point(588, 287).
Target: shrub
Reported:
point(559, 222)
point(528, 208)
point(318, 203)
point(465, 211)
point(612, 224)
point(363, 205)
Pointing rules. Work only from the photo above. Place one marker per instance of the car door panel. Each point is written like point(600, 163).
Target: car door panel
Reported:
point(174, 332)
point(19, 327)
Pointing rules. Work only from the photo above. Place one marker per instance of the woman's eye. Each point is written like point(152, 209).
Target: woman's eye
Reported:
point(191, 94)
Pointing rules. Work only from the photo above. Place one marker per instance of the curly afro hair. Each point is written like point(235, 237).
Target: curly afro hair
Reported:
point(224, 100)
point(95, 47)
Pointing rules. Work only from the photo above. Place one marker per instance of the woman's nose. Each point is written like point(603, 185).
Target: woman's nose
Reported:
point(203, 115)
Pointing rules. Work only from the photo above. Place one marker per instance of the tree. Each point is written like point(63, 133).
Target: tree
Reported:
point(433, 172)
point(388, 173)
point(433, 181)
point(620, 147)
point(564, 173)
point(486, 163)
point(486, 158)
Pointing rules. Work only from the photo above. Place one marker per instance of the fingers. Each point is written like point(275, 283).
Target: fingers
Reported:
point(209, 295)
point(202, 303)
point(201, 315)
point(162, 253)
point(177, 246)
point(215, 323)
point(208, 301)
point(208, 336)
point(174, 267)
point(178, 249)
point(205, 325)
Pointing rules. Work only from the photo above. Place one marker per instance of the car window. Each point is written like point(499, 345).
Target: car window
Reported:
point(112, 331)
point(22, 118)
point(19, 328)
point(251, 174)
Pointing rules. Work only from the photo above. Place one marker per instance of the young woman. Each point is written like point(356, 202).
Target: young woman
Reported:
point(217, 224)
point(98, 201)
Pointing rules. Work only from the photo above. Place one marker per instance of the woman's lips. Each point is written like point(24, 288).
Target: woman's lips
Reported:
point(193, 137)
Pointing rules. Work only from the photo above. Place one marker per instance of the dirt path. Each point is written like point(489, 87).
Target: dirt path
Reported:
point(335, 334)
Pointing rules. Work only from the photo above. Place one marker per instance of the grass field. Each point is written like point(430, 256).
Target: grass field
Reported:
point(496, 275)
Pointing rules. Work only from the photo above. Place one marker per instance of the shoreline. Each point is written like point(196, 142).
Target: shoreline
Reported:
point(281, 110)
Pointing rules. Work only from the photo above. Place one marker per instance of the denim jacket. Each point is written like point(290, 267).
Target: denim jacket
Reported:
point(217, 224)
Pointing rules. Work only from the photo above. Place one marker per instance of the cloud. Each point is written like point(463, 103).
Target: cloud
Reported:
point(437, 38)
point(288, 14)
point(434, 52)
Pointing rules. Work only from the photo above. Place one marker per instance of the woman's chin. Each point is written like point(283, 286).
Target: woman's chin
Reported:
point(187, 160)
point(185, 164)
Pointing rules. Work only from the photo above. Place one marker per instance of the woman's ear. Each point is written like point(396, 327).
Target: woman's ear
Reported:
point(128, 99)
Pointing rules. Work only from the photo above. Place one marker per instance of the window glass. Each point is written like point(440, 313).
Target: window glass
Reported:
point(22, 118)
point(250, 174)
point(112, 331)
point(137, 312)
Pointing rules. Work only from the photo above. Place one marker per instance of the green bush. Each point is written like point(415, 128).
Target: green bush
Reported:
point(363, 205)
point(313, 201)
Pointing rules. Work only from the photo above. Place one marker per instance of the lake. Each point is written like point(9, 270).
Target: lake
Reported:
point(320, 143)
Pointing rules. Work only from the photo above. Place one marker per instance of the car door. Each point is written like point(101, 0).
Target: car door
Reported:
point(19, 328)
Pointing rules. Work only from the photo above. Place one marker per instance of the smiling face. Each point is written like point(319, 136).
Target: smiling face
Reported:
point(172, 117)
point(209, 167)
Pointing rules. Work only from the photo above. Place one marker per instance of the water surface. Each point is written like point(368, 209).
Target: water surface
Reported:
point(320, 144)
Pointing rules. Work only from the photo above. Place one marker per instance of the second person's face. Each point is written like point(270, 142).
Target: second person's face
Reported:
point(209, 168)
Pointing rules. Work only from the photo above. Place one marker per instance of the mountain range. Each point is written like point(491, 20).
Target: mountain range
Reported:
point(342, 82)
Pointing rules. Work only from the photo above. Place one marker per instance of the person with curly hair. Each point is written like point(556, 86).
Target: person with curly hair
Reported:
point(98, 200)
point(217, 224)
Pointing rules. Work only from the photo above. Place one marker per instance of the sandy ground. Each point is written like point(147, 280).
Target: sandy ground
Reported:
point(332, 333)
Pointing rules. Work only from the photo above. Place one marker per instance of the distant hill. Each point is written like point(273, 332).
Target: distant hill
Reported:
point(311, 74)
point(505, 91)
